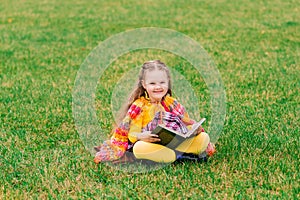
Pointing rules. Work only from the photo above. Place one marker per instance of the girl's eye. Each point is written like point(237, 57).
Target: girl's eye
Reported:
point(162, 82)
point(151, 83)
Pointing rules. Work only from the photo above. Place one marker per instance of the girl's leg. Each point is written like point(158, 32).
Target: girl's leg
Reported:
point(154, 152)
point(195, 145)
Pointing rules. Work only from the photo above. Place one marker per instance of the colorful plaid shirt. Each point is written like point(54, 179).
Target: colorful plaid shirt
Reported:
point(143, 116)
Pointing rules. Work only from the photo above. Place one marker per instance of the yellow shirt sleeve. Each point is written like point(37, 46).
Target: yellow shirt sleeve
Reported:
point(135, 128)
point(135, 113)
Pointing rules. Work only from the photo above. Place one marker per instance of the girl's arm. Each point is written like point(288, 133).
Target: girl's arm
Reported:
point(135, 128)
point(135, 133)
point(136, 120)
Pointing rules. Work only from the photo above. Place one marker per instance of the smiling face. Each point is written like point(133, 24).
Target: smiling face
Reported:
point(156, 84)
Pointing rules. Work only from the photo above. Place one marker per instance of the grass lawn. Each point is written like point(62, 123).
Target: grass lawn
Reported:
point(254, 44)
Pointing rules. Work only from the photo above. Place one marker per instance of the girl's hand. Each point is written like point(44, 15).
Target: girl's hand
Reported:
point(199, 130)
point(147, 136)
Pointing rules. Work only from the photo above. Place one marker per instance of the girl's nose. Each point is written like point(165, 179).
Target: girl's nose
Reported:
point(157, 86)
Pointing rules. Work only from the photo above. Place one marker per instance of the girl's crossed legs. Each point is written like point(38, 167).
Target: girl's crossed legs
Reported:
point(160, 153)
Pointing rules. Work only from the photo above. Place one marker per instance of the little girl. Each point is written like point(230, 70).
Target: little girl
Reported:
point(151, 103)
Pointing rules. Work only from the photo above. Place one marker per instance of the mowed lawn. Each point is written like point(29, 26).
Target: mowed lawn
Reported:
point(255, 46)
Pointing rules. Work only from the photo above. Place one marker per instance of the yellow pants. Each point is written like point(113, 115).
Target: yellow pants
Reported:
point(160, 153)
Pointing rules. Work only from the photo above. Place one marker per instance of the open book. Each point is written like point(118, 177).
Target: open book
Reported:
point(170, 138)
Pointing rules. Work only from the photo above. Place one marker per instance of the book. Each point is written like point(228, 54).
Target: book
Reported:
point(170, 138)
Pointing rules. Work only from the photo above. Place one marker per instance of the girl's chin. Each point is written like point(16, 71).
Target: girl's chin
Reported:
point(157, 98)
point(158, 94)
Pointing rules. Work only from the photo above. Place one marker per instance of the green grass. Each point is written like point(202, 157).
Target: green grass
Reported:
point(255, 45)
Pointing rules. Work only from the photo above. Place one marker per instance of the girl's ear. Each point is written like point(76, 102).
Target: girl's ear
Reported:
point(143, 84)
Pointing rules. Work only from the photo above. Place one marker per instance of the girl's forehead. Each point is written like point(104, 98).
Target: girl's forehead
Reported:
point(156, 73)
